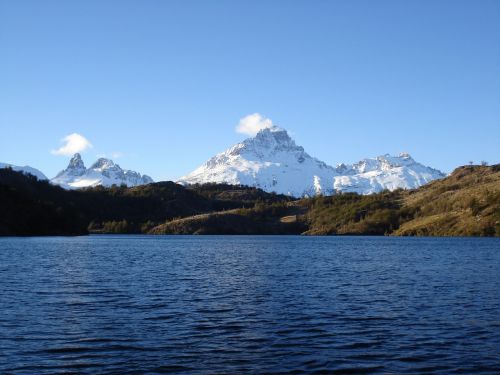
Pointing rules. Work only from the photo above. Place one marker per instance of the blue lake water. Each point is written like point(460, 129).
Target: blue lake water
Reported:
point(241, 304)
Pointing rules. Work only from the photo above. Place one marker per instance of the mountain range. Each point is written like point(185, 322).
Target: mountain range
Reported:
point(103, 172)
point(271, 161)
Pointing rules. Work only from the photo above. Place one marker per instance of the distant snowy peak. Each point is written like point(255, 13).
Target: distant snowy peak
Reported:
point(103, 164)
point(103, 172)
point(273, 161)
point(380, 163)
point(75, 167)
point(26, 170)
point(372, 175)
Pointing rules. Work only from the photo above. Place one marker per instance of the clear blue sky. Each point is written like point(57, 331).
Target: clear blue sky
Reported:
point(164, 83)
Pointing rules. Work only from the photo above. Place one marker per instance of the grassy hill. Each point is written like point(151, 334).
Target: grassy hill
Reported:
point(466, 203)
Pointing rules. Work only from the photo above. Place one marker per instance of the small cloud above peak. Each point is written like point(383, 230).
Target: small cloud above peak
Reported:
point(253, 123)
point(73, 143)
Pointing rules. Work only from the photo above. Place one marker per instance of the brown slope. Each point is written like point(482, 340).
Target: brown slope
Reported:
point(466, 203)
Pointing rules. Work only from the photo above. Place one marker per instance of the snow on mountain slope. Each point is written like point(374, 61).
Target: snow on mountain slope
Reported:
point(26, 169)
point(103, 172)
point(384, 172)
point(273, 162)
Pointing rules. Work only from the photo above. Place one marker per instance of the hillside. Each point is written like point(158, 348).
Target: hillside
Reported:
point(29, 206)
point(466, 203)
point(273, 218)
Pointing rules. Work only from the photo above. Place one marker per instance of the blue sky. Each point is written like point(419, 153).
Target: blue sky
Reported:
point(161, 85)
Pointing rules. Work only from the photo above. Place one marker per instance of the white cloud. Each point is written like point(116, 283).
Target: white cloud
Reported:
point(117, 154)
point(73, 143)
point(253, 123)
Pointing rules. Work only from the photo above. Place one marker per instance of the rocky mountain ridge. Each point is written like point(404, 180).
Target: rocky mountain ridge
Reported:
point(103, 172)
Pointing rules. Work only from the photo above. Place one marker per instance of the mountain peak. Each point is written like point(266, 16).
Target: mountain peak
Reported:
point(271, 160)
point(76, 167)
point(404, 155)
point(103, 163)
point(271, 140)
point(76, 162)
point(271, 129)
point(274, 132)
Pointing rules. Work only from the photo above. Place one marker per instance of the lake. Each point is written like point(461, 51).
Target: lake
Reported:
point(243, 304)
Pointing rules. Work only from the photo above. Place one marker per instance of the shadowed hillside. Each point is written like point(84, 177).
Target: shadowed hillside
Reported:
point(32, 207)
point(273, 218)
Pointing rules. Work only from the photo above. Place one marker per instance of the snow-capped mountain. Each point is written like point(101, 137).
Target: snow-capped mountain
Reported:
point(383, 172)
point(26, 169)
point(273, 162)
point(103, 172)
